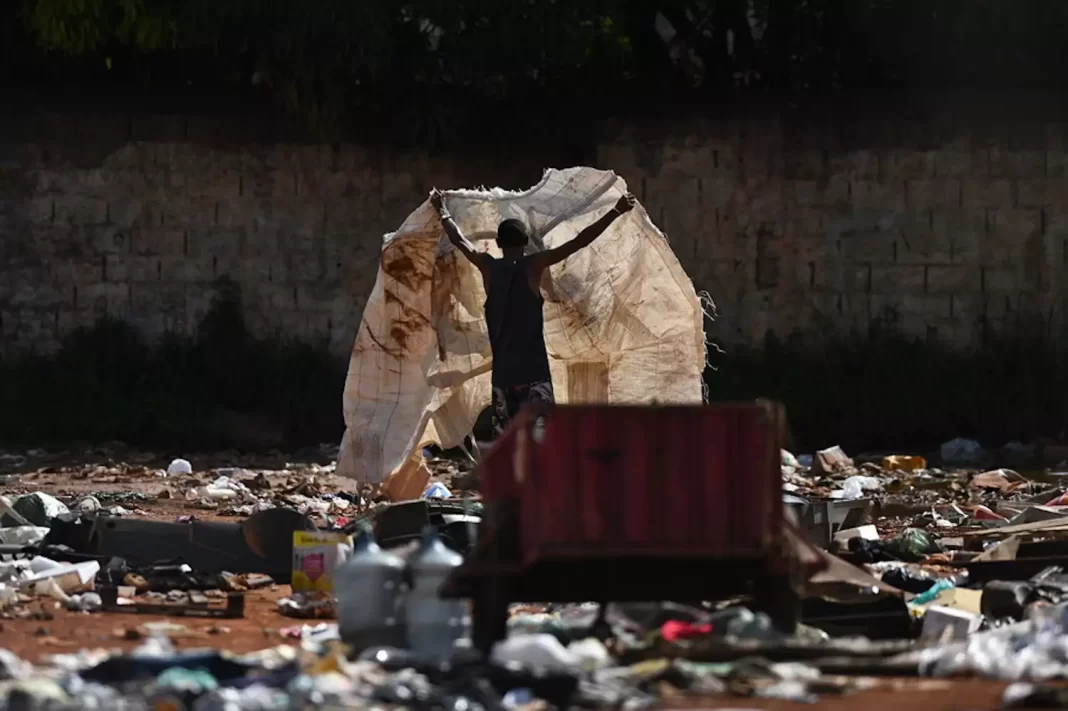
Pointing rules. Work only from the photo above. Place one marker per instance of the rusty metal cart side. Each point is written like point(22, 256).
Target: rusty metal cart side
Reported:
point(629, 503)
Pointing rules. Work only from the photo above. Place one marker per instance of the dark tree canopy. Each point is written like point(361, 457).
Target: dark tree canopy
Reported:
point(432, 66)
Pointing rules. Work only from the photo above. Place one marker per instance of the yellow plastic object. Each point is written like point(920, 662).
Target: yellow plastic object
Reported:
point(904, 463)
point(314, 557)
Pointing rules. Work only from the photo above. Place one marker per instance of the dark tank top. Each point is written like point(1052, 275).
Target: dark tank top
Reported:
point(516, 326)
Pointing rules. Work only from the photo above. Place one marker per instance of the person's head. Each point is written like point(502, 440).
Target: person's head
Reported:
point(511, 235)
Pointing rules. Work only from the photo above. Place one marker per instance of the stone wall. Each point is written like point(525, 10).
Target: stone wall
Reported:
point(136, 217)
point(794, 225)
point(829, 222)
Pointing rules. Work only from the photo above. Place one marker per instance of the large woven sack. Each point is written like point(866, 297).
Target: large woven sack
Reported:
point(623, 323)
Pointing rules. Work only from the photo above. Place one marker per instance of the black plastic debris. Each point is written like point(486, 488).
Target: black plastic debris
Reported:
point(1010, 599)
point(263, 543)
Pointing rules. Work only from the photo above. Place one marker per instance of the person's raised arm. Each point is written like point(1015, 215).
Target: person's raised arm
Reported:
point(586, 237)
point(455, 235)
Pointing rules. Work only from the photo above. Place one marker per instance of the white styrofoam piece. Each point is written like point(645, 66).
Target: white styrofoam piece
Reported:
point(867, 532)
point(938, 619)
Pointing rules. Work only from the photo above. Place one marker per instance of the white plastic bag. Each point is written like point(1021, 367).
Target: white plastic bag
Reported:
point(855, 486)
point(542, 651)
point(623, 323)
point(23, 535)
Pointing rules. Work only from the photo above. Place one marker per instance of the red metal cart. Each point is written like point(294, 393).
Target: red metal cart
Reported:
point(628, 503)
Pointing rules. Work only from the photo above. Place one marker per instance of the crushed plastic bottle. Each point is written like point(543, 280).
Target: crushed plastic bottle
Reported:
point(222, 489)
point(434, 624)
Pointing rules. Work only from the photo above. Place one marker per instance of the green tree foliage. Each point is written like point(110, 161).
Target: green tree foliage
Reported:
point(434, 66)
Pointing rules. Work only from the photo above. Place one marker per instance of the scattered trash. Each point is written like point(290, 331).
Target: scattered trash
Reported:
point(308, 606)
point(904, 463)
point(966, 563)
point(89, 504)
point(67, 576)
point(542, 651)
point(179, 467)
point(408, 482)
point(832, 461)
point(36, 509)
point(1021, 695)
point(437, 490)
point(910, 579)
point(23, 535)
point(855, 486)
point(222, 489)
point(931, 594)
point(85, 602)
point(941, 624)
point(868, 533)
point(1004, 480)
point(962, 451)
point(913, 545)
point(1060, 500)
point(315, 556)
point(675, 630)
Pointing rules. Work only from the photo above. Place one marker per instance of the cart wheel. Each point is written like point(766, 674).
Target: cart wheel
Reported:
point(777, 597)
point(489, 616)
point(600, 629)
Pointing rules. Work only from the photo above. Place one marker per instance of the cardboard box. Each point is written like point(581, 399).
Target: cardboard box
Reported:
point(315, 555)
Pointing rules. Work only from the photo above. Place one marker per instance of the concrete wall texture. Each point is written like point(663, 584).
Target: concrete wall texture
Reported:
point(793, 226)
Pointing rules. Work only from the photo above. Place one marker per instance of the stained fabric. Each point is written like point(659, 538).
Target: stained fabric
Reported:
point(623, 323)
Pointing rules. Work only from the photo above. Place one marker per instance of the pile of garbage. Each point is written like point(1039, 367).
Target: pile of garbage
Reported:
point(548, 657)
point(956, 569)
point(968, 547)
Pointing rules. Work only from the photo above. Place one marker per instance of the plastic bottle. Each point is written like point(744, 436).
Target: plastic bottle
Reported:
point(434, 624)
point(932, 592)
point(369, 587)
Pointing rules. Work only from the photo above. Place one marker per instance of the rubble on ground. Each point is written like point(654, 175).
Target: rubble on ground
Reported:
point(946, 564)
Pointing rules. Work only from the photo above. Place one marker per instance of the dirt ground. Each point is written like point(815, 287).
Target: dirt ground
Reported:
point(890, 695)
point(134, 483)
point(156, 498)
